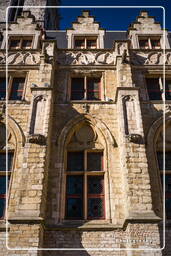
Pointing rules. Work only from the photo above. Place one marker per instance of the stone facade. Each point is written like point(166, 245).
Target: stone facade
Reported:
point(46, 124)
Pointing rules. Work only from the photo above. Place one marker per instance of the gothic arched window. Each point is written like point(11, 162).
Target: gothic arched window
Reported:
point(85, 191)
point(159, 147)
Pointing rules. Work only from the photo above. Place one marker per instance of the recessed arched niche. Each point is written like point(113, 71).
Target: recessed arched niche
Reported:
point(85, 136)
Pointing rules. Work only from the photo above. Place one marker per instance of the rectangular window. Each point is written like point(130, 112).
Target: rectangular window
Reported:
point(167, 178)
point(17, 87)
point(20, 42)
point(149, 42)
point(85, 42)
point(155, 88)
point(2, 88)
point(84, 191)
point(3, 179)
point(85, 88)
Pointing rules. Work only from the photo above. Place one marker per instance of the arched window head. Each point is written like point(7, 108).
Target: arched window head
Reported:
point(85, 191)
point(159, 149)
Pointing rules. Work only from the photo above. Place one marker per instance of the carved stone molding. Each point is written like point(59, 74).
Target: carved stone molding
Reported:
point(20, 58)
point(37, 139)
point(86, 58)
point(168, 108)
point(151, 58)
point(134, 138)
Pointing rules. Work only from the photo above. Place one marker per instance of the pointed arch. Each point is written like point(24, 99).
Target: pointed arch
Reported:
point(152, 138)
point(62, 140)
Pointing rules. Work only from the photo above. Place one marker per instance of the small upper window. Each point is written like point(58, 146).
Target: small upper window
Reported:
point(15, 88)
point(85, 42)
point(20, 43)
point(85, 88)
point(149, 43)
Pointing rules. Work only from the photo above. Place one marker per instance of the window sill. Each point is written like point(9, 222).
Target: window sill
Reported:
point(91, 102)
point(17, 102)
point(84, 225)
point(156, 101)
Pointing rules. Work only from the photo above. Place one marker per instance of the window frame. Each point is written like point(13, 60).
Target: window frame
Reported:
point(21, 39)
point(9, 174)
point(11, 78)
point(85, 175)
point(149, 39)
point(86, 38)
point(86, 77)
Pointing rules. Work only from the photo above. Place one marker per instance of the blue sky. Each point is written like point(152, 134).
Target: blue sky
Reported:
point(114, 18)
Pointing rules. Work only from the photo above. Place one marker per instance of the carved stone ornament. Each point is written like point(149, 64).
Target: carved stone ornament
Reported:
point(134, 138)
point(20, 58)
point(151, 58)
point(85, 58)
point(168, 108)
point(37, 139)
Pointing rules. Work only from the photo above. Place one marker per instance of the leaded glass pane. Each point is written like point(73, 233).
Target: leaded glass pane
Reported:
point(74, 185)
point(95, 185)
point(2, 207)
point(75, 161)
point(3, 161)
point(2, 185)
point(153, 88)
point(95, 208)
point(168, 89)
point(2, 88)
point(168, 207)
point(77, 89)
point(94, 161)
point(167, 160)
point(74, 208)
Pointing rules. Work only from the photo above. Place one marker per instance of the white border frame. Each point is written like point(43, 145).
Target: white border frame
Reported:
point(164, 119)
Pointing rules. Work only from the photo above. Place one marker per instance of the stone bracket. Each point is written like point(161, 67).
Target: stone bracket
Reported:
point(37, 139)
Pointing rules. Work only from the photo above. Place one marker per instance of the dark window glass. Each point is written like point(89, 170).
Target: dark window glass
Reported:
point(74, 197)
point(2, 207)
point(95, 184)
point(2, 88)
point(15, 43)
point(77, 89)
point(168, 194)
point(79, 43)
point(93, 87)
point(26, 44)
point(95, 197)
point(3, 161)
point(143, 43)
point(2, 185)
point(153, 88)
point(74, 184)
point(75, 161)
point(91, 43)
point(167, 160)
point(155, 43)
point(168, 89)
point(95, 208)
point(94, 161)
point(17, 88)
